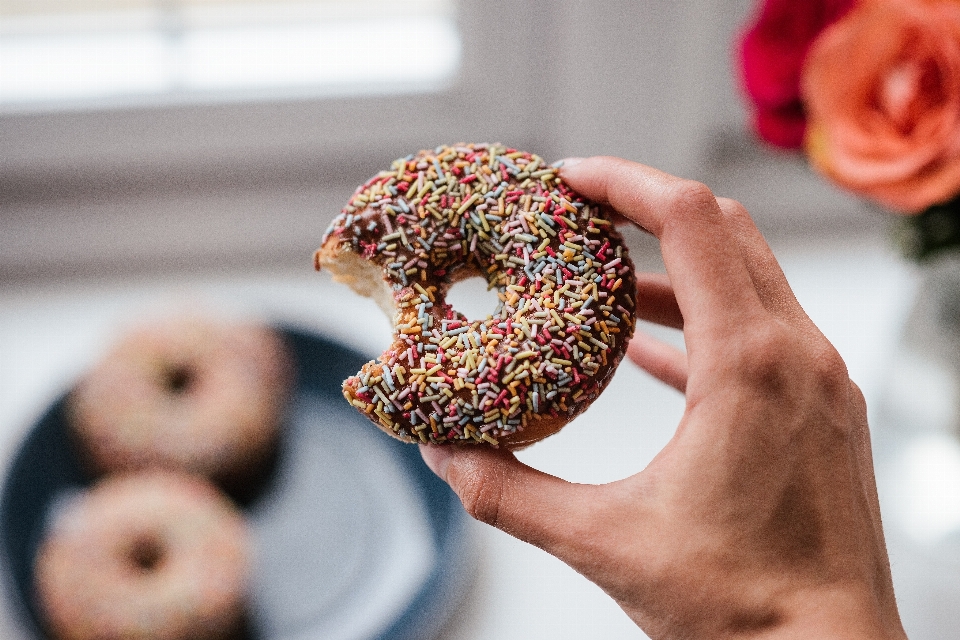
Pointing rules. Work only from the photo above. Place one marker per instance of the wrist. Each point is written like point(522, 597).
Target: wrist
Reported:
point(835, 613)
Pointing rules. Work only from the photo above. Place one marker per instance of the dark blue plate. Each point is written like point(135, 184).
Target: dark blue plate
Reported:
point(333, 520)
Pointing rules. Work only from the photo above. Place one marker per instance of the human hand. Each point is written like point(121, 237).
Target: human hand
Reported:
point(760, 517)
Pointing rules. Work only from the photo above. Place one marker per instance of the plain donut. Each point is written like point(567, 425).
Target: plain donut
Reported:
point(147, 555)
point(188, 392)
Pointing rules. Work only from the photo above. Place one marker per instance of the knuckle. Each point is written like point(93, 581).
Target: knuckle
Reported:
point(690, 195)
point(734, 210)
point(857, 399)
point(830, 368)
point(805, 376)
point(767, 357)
point(857, 415)
point(799, 380)
point(481, 496)
point(776, 353)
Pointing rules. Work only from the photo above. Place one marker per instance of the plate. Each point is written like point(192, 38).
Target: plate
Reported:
point(356, 538)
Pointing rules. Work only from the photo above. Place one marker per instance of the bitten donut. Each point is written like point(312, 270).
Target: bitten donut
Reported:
point(147, 555)
point(191, 393)
point(565, 282)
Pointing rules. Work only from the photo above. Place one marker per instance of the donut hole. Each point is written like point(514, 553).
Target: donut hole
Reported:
point(178, 379)
point(146, 553)
point(473, 298)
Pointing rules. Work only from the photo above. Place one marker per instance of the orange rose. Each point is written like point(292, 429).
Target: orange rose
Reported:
point(882, 89)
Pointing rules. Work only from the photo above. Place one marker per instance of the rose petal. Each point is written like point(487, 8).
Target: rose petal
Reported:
point(782, 127)
point(882, 90)
point(771, 54)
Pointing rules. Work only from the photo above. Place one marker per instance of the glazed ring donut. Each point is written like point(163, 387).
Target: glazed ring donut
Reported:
point(191, 393)
point(565, 282)
point(148, 555)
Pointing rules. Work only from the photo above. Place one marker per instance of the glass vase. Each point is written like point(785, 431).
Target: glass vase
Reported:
point(916, 440)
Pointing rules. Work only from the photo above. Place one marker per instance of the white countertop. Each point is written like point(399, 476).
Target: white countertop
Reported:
point(855, 289)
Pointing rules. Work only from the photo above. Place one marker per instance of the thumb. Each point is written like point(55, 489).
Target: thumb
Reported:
point(496, 488)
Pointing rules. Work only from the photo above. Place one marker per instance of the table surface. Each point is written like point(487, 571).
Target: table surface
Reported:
point(855, 289)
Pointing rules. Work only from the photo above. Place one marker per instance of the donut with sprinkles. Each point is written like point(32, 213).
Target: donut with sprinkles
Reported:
point(565, 283)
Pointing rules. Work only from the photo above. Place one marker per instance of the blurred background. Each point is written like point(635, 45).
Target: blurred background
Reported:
point(154, 147)
point(166, 135)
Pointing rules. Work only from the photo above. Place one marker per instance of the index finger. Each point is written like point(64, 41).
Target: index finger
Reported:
point(710, 279)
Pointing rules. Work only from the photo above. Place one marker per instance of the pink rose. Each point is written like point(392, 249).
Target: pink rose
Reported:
point(882, 92)
point(772, 52)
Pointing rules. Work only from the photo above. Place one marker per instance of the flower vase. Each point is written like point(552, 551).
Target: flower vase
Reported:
point(916, 441)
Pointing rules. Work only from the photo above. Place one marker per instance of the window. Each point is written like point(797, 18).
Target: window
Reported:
point(56, 53)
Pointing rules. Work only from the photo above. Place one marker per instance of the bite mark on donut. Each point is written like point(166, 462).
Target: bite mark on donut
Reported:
point(562, 273)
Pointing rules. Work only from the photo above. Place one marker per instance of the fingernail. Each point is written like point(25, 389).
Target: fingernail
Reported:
point(566, 163)
point(437, 458)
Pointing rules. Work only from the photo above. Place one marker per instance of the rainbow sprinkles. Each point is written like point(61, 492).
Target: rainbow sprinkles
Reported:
point(562, 273)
